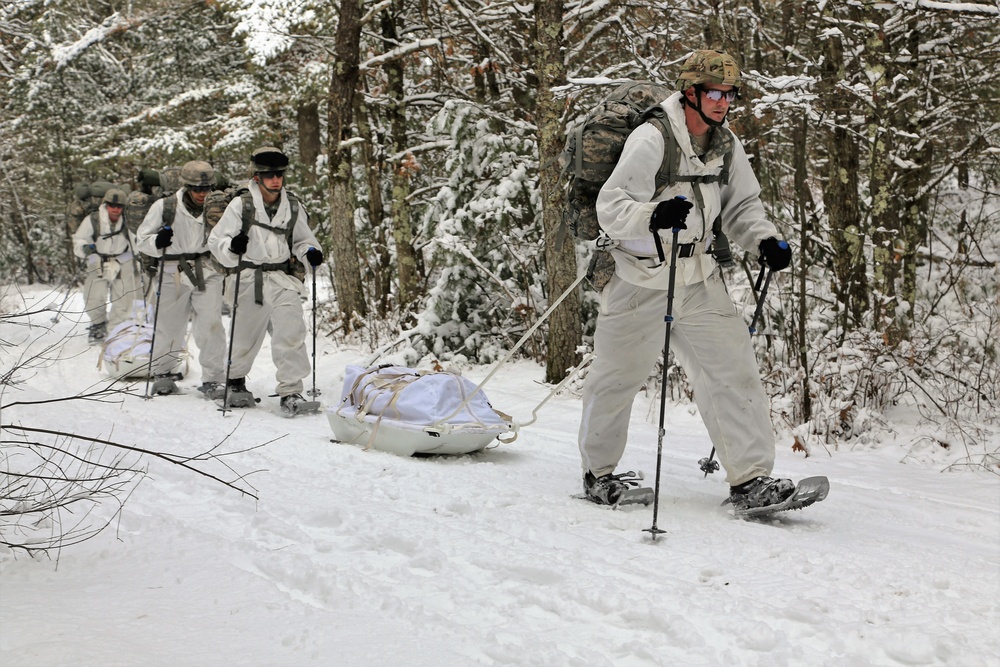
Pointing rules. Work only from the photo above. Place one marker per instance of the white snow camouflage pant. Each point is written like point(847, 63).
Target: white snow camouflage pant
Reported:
point(116, 278)
point(710, 341)
point(281, 316)
point(178, 301)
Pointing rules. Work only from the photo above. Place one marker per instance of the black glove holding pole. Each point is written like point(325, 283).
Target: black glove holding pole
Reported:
point(164, 238)
point(238, 244)
point(314, 256)
point(670, 214)
point(775, 254)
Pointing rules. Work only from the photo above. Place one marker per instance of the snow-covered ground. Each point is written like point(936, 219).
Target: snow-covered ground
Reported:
point(354, 557)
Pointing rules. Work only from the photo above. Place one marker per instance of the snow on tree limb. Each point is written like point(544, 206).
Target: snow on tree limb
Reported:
point(398, 52)
point(63, 55)
point(963, 7)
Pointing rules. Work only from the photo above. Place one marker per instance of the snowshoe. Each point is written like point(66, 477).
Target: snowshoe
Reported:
point(294, 404)
point(166, 383)
point(213, 391)
point(764, 496)
point(97, 332)
point(238, 395)
point(616, 490)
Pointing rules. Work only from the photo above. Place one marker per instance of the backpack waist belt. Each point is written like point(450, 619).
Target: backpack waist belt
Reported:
point(196, 276)
point(258, 277)
point(684, 250)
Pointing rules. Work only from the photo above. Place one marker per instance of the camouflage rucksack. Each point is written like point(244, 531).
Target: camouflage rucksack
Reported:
point(594, 145)
point(86, 200)
point(215, 205)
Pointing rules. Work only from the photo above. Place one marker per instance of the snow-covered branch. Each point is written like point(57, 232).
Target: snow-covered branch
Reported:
point(65, 54)
point(398, 52)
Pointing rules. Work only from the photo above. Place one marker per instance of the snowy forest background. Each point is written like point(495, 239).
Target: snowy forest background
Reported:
point(425, 137)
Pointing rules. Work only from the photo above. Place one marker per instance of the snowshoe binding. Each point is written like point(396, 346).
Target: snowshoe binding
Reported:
point(616, 490)
point(294, 404)
point(763, 496)
point(238, 395)
point(213, 391)
point(166, 383)
point(97, 332)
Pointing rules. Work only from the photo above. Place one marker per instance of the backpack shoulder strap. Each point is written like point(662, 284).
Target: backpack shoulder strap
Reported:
point(169, 210)
point(657, 117)
point(248, 212)
point(293, 207)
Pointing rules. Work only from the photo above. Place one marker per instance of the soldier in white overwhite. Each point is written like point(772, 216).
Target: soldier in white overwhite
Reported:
point(174, 232)
point(105, 245)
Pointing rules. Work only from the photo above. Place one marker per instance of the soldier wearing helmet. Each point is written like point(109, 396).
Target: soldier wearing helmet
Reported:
point(175, 234)
point(713, 181)
point(104, 243)
point(264, 232)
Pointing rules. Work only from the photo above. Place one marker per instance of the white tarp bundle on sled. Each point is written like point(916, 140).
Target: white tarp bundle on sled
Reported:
point(125, 353)
point(404, 411)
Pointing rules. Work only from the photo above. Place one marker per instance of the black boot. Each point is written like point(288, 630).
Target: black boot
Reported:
point(239, 395)
point(97, 332)
point(760, 492)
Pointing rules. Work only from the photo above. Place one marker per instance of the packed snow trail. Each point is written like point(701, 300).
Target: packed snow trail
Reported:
point(354, 557)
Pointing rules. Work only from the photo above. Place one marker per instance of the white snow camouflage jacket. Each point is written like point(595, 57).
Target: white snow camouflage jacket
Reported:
point(109, 240)
point(627, 201)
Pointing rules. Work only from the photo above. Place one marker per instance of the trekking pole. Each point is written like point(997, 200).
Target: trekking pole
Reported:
point(69, 291)
point(232, 330)
point(314, 391)
point(761, 293)
point(152, 339)
point(709, 465)
point(669, 318)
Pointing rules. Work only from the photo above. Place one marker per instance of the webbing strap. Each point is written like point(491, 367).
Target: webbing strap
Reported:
point(196, 276)
point(258, 277)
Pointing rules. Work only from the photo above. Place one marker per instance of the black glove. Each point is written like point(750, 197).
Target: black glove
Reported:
point(89, 249)
point(314, 256)
point(164, 237)
point(670, 214)
point(239, 243)
point(775, 254)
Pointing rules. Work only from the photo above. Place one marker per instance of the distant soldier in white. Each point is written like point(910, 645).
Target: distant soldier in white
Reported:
point(175, 233)
point(103, 242)
point(265, 231)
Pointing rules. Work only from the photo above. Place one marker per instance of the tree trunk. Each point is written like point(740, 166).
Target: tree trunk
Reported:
point(913, 198)
point(884, 205)
point(379, 273)
point(840, 197)
point(309, 140)
point(340, 111)
point(565, 327)
point(802, 218)
point(402, 232)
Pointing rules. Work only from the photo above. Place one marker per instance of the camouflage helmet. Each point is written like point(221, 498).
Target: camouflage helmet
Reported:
point(268, 158)
point(198, 173)
point(115, 197)
point(709, 66)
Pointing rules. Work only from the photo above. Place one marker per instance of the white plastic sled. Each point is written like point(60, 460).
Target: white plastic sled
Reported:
point(125, 352)
point(406, 412)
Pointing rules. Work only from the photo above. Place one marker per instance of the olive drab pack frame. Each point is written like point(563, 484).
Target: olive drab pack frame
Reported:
point(594, 146)
point(86, 199)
